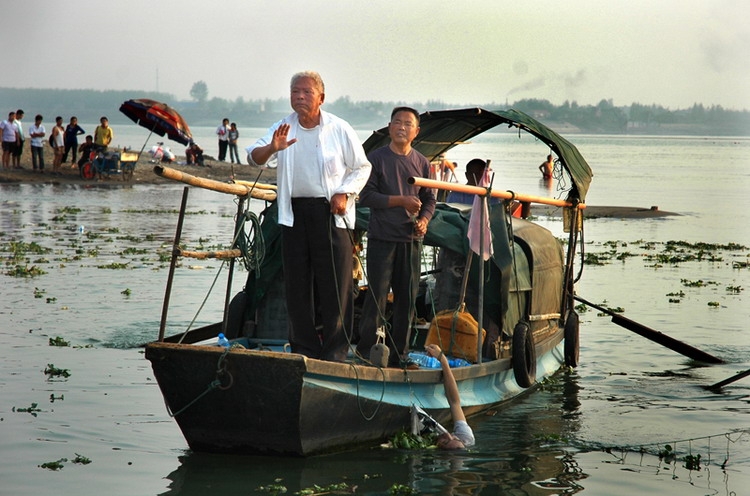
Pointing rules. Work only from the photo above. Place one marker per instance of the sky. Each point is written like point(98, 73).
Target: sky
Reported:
point(672, 53)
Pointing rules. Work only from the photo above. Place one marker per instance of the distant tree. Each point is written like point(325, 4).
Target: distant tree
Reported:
point(199, 91)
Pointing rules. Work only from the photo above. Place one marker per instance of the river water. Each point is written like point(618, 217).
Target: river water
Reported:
point(96, 261)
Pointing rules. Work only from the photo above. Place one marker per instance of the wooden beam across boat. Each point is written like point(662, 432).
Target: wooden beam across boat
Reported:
point(495, 193)
point(202, 182)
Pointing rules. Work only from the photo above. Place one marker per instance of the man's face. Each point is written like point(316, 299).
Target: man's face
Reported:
point(403, 128)
point(306, 98)
point(105, 123)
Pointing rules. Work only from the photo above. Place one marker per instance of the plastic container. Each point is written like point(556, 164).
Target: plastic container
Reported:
point(457, 362)
point(424, 360)
point(223, 341)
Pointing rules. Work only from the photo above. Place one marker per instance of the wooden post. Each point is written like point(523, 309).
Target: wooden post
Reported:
point(172, 265)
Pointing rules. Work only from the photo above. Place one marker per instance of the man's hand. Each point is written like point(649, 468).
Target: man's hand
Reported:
point(412, 204)
point(420, 226)
point(338, 203)
point(279, 141)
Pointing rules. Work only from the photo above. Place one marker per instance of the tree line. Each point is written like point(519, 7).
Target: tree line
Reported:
point(570, 117)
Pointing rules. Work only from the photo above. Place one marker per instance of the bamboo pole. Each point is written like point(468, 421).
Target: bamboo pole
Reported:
point(255, 184)
point(221, 254)
point(202, 182)
point(172, 265)
point(477, 190)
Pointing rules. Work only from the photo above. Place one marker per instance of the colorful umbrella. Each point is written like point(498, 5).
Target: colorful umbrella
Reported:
point(159, 118)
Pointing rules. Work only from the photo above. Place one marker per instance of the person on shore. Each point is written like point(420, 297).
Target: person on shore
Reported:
point(10, 138)
point(223, 133)
point(21, 140)
point(194, 154)
point(232, 138)
point(37, 133)
point(85, 150)
point(103, 134)
point(72, 130)
point(474, 172)
point(399, 214)
point(547, 167)
point(58, 144)
point(321, 168)
point(462, 436)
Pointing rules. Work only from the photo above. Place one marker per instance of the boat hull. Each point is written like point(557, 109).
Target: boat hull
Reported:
point(262, 402)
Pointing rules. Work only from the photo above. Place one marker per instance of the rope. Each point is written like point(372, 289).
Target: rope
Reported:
point(221, 369)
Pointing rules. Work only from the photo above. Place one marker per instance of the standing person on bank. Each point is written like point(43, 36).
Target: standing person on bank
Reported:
point(10, 138)
point(21, 139)
point(233, 136)
point(103, 134)
point(72, 130)
point(399, 214)
point(321, 168)
point(37, 133)
point(58, 145)
point(223, 133)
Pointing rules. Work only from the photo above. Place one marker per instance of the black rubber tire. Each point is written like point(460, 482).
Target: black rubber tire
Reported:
point(572, 339)
point(524, 355)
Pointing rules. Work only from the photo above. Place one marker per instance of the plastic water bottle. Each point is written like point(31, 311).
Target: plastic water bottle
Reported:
point(457, 362)
point(424, 361)
point(223, 341)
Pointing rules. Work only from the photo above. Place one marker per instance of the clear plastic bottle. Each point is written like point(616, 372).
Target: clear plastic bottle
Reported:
point(424, 360)
point(223, 341)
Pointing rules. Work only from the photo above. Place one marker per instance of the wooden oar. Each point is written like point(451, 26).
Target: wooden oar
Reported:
point(477, 190)
point(732, 379)
point(655, 336)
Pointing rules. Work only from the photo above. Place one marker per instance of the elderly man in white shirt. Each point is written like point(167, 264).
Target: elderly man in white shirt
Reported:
point(321, 168)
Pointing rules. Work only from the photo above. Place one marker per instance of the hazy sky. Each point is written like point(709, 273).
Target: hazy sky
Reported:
point(669, 52)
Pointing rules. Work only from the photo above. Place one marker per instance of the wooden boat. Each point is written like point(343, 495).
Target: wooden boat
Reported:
point(259, 398)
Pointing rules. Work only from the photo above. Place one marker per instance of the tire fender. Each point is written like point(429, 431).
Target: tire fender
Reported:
point(523, 355)
point(572, 339)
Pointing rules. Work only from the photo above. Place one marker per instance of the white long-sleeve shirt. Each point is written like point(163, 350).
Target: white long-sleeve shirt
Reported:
point(343, 162)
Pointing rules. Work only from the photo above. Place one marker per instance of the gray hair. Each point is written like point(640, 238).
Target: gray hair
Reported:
point(312, 75)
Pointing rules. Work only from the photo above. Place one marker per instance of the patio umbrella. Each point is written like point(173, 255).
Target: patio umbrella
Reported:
point(159, 118)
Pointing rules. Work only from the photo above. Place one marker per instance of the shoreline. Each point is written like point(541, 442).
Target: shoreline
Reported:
point(142, 174)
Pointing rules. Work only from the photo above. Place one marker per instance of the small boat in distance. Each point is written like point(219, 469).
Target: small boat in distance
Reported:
point(258, 398)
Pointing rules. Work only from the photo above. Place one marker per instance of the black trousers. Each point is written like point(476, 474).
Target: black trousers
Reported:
point(223, 150)
point(317, 259)
point(395, 266)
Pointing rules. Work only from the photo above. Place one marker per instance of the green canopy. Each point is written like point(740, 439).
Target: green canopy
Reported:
point(442, 130)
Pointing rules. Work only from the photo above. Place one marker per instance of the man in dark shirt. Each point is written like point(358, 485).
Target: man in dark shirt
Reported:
point(399, 214)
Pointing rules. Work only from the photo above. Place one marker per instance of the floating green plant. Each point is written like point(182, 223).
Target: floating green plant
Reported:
point(33, 410)
point(53, 371)
point(58, 341)
point(113, 265)
point(126, 292)
point(81, 460)
point(693, 462)
point(24, 271)
point(39, 293)
point(734, 289)
point(714, 304)
point(56, 465)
